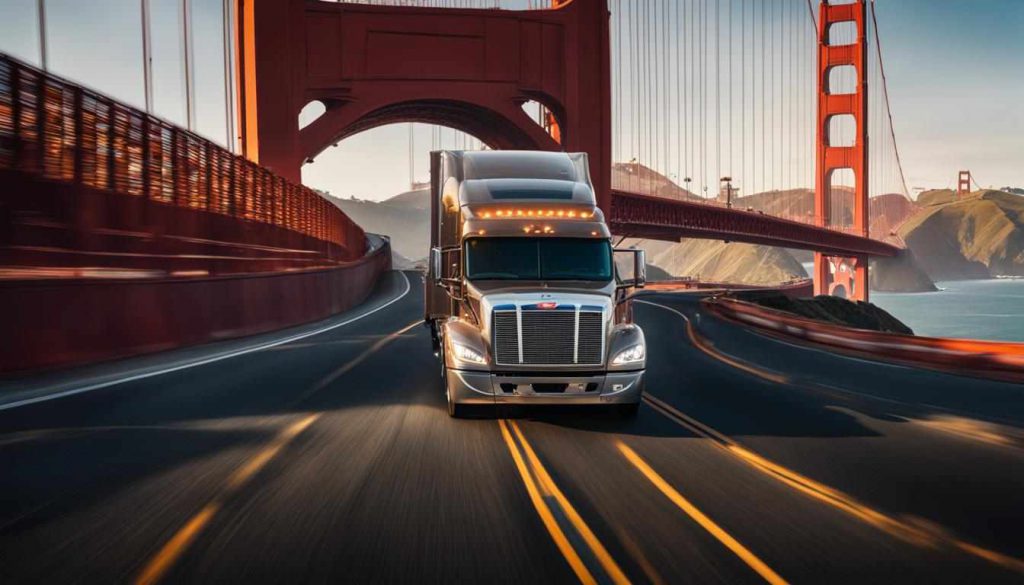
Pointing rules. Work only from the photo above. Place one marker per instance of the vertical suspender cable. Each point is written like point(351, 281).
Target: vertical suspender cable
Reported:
point(617, 106)
point(718, 96)
point(704, 101)
point(678, 72)
point(764, 148)
point(691, 89)
point(189, 61)
point(888, 105)
point(651, 86)
point(631, 67)
point(667, 58)
point(44, 53)
point(147, 57)
point(228, 15)
point(732, 104)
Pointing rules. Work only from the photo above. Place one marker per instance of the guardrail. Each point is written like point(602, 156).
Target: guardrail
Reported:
point(131, 171)
point(121, 234)
point(987, 359)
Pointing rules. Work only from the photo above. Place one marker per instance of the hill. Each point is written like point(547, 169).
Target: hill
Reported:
point(716, 261)
point(641, 179)
point(936, 197)
point(980, 236)
point(404, 218)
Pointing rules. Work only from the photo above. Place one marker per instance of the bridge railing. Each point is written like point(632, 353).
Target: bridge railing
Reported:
point(58, 131)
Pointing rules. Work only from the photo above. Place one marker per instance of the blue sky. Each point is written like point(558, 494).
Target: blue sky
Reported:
point(956, 79)
point(955, 69)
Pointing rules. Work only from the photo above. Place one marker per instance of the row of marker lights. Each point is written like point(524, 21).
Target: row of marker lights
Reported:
point(538, 213)
point(535, 230)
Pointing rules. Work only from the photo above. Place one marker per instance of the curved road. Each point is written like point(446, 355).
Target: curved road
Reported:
point(324, 454)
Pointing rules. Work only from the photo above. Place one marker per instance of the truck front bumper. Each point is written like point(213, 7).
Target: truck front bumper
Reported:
point(467, 387)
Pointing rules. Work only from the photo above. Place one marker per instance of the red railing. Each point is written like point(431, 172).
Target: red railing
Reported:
point(56, 130)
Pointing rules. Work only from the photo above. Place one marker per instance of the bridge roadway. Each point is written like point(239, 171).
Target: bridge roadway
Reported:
point(324, 454)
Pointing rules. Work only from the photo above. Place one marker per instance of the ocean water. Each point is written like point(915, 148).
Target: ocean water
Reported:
point(974, 309)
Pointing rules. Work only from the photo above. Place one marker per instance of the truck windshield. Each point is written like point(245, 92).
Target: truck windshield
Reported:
point(538, 259)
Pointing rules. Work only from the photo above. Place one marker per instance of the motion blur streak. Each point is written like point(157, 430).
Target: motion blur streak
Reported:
point(708, 349)
point(835, 498)
point(706, 523)
point(380, 344)
point(179, 543)
point(543, 491)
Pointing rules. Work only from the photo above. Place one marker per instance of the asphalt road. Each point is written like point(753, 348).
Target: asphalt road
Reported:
point(324, 454)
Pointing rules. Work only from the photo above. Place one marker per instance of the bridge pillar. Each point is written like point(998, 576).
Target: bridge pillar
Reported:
point(833, 158)
point(467, 69)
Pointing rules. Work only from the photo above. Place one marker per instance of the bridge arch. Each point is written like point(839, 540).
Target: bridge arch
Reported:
point(497, 127)
point(468, 69)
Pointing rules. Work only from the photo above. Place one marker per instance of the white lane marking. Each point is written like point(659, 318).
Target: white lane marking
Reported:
point(204, 361)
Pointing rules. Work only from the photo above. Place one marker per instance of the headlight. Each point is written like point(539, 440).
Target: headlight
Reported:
point(466, 354)
point(630, 355)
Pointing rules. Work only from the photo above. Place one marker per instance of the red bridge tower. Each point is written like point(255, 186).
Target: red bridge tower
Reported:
point(834, 275)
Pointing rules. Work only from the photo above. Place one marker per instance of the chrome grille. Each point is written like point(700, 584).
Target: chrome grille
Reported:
point(549, 337)
point(506, 337)
point(591, 341)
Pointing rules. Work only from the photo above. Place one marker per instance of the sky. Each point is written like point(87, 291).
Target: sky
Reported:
point(956, 81)
point(955, 70)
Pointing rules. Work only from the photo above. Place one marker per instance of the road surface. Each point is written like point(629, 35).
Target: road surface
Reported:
point(324, 454)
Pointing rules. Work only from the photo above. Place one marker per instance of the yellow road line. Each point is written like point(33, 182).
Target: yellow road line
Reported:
point(699, 517)
point(165, 558)
point(541, 488)
point(180, 542)
point(595, 545)
point(177, 545)
point(563, 544)
point(908, 532)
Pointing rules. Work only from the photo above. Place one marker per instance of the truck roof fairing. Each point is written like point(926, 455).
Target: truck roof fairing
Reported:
point(524, 164)
point(497, 192)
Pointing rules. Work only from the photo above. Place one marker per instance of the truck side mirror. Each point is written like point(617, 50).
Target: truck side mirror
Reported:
point(639, 259)
point(639, 268)
point(435, 266)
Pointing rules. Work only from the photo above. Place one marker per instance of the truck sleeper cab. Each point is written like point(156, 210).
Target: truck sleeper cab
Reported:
point(522, 294)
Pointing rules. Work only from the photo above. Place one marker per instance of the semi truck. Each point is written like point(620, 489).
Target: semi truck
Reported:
point(527, 301)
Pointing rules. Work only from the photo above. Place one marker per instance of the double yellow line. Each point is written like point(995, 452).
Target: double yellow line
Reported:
point(593, 560)
point(548, 499)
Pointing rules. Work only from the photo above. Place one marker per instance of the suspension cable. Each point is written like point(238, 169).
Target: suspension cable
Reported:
point(888, 106)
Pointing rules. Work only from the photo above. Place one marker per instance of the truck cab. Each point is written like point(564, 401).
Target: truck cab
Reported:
point(522, 295)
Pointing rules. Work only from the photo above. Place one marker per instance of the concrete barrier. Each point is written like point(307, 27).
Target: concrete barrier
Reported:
point(51, 323)
point(987, 359)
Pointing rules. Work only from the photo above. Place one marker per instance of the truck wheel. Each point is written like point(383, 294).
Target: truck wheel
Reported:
point(627, 410)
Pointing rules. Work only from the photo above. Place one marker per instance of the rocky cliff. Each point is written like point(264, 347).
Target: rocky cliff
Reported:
point(979, 236)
